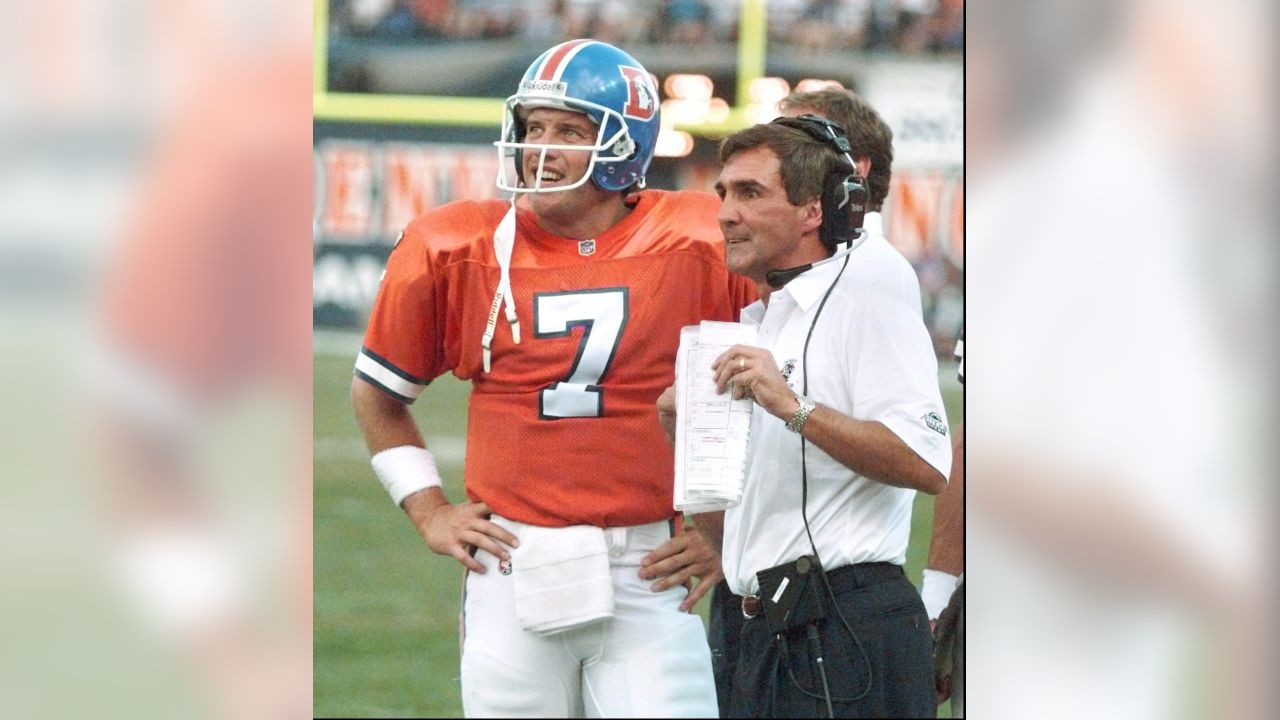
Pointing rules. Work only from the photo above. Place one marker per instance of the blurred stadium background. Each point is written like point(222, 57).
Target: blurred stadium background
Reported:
point(410, 98)
point(408, 102)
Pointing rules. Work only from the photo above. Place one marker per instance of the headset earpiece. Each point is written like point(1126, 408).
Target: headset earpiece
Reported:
point(844, 197)
point(856, 192)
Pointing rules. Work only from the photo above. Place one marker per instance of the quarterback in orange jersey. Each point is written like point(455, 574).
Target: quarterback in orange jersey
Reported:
point(563, 309)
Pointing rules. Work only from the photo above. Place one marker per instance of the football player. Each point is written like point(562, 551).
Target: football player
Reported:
point(563, 309)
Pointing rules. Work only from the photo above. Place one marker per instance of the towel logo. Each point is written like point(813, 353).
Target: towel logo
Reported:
point(504, 567)
point(586, 247)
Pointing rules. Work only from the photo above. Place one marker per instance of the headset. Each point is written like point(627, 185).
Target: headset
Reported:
point(844, 201)
point(844, 196)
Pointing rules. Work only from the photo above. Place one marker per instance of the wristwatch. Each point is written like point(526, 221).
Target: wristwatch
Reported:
point(797, 421)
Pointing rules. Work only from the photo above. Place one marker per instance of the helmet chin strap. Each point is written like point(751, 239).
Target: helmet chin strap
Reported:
point(504, 240)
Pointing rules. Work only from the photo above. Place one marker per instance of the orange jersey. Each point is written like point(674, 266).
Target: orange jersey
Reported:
point(563, 429)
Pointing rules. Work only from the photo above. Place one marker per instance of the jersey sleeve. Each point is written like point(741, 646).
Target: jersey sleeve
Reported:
point(403, 343)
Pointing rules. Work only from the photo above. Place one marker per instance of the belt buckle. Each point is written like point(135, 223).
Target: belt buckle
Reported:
point(751, 607)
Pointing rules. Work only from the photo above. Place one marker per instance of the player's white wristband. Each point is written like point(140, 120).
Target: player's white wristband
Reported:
point(405, 470)
point(936, 591)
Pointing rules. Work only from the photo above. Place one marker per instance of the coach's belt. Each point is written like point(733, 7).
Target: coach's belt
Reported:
point(847, 577)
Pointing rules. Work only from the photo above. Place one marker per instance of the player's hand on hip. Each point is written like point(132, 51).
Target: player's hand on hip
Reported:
point(752, 372)
point(456, 530)
point(667, 412)
point(679, 560)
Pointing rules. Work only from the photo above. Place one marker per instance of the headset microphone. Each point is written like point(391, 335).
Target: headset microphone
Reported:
point(778, 278)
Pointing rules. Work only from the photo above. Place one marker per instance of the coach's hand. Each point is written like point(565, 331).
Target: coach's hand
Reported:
point(684, 557)
point(667, 412)
point(455, 530)
point(752, 372)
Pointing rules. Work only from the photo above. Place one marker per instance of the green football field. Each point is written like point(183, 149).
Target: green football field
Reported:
point(386, 607)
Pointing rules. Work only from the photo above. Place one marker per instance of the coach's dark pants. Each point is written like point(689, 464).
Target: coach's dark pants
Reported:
point(724, 627)
point(886, 614)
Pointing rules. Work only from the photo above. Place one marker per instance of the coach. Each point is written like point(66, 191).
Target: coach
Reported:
point(850, 425)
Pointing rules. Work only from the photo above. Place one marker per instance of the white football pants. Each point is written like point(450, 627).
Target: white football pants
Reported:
point(649, 660)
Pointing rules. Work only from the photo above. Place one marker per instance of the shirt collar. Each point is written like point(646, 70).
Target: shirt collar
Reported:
point(809, 287)
point(805, 290)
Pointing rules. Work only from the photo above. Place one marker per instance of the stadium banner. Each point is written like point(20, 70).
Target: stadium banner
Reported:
point(924, 104)
point(370, 182)
point(366, 190)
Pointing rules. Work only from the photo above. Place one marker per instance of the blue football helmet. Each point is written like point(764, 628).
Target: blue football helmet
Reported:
point(610, 87)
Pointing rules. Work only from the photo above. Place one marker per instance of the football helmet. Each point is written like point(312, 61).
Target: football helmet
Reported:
point(610, 87)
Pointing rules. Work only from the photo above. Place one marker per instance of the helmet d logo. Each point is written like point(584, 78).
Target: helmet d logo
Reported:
point(642, 102)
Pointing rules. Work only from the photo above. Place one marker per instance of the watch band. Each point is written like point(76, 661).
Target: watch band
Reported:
point(797, 421)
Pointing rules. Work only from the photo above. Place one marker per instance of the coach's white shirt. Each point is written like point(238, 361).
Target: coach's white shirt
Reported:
point(870, 358)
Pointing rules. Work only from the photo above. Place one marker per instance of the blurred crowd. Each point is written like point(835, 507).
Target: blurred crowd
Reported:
point(906, 26)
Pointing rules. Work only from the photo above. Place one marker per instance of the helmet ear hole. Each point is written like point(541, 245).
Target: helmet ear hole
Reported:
point(624, 147)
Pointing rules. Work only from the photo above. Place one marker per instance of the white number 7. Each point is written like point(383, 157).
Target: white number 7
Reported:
point(602, 313)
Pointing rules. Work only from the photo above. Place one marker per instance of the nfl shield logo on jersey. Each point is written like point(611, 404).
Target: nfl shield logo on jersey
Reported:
point(504, 567)
point(586, 247)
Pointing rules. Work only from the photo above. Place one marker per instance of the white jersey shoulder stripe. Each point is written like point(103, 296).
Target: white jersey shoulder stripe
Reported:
point(388, 377)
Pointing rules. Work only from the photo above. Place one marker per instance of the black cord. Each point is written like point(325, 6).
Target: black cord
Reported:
point(804, 514)
point(816, 642)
